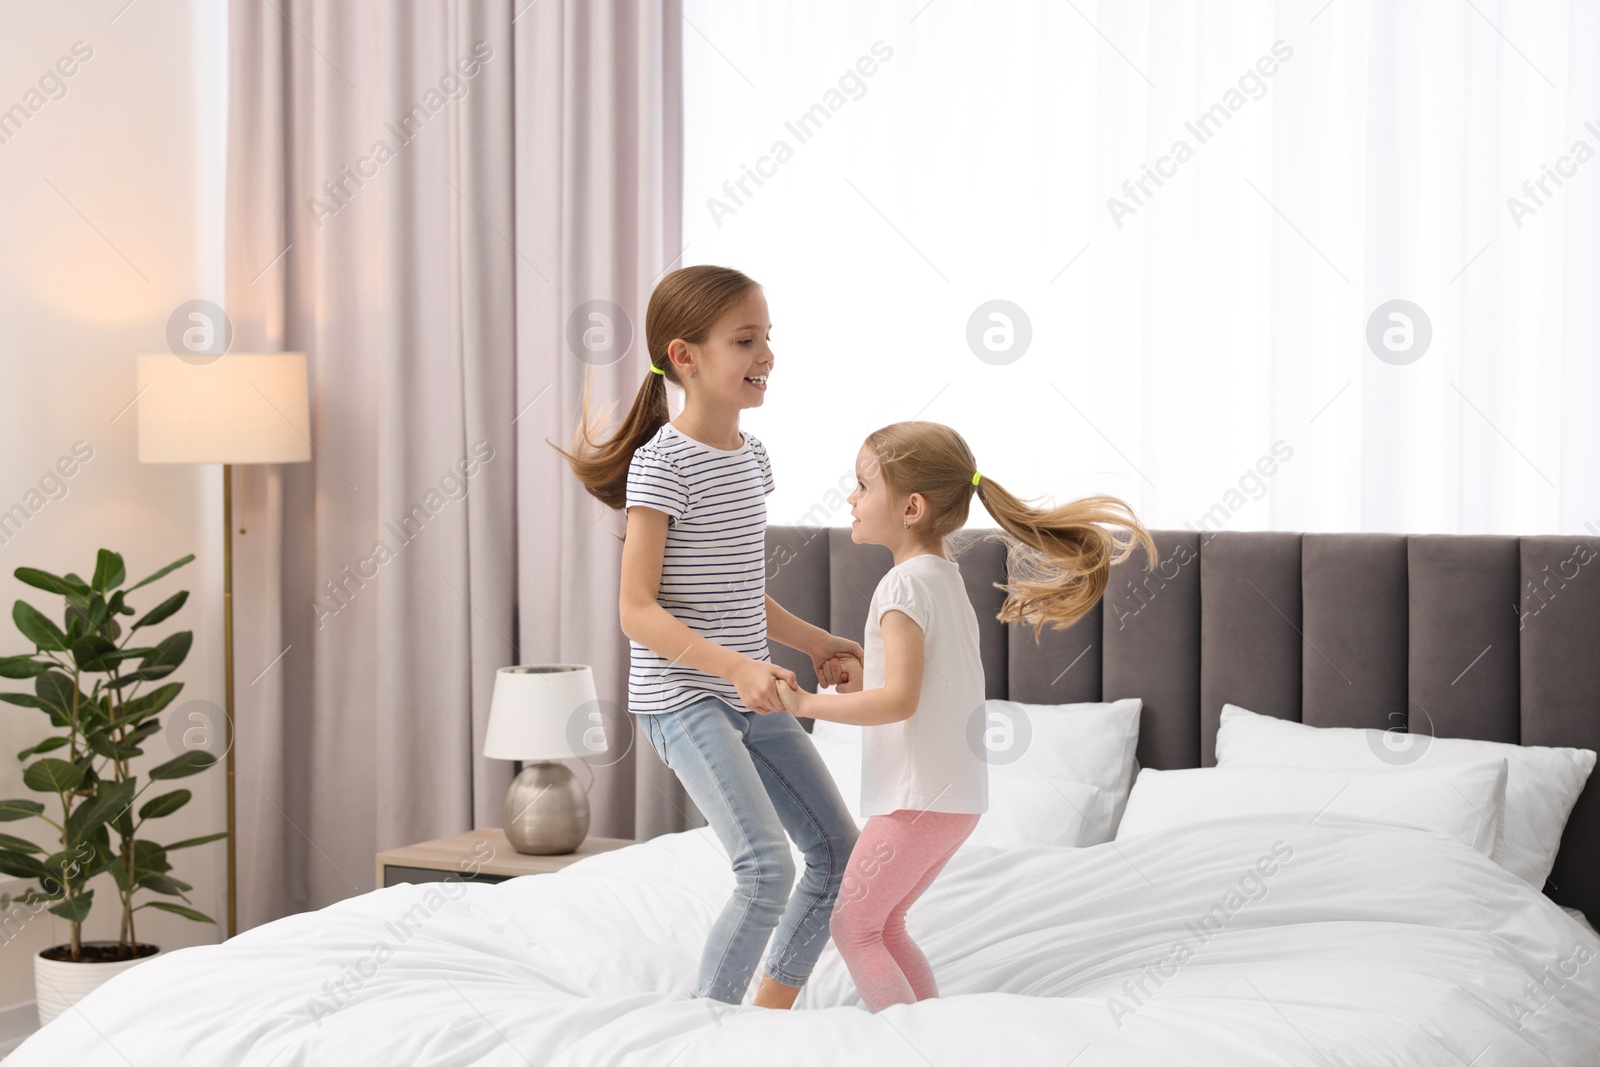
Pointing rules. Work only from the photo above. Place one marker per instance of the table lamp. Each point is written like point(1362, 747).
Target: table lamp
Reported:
point(236, 408)
point(544, 713)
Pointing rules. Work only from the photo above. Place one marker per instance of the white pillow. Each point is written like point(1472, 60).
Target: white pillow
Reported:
point(1059, 774)
point(1045, 745)
point(1542, 784)
point(1463, 800)
point(1024, 810)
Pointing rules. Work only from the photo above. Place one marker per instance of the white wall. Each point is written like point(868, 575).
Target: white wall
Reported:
point(111, 206)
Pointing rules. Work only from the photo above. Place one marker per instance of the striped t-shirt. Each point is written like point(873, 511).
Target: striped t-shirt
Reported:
point(713, 571)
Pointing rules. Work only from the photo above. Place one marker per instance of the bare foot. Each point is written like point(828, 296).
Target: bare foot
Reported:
point(774, 994)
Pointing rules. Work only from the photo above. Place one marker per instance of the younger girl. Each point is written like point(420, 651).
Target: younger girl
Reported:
point(693, 603)
point(923, 783)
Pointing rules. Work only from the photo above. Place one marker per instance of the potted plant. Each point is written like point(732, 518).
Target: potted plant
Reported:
point(89, 678)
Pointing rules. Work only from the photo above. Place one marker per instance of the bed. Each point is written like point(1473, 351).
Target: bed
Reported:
point(1366, 944)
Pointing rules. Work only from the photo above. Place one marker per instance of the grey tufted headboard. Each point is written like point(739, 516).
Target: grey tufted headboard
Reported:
point(1489, 637)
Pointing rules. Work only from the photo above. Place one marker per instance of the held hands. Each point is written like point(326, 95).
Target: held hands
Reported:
point(828, 656)
point(755, 680)
point(788, 696)
point(765, 687)
point(847, 667)
point(850, 674)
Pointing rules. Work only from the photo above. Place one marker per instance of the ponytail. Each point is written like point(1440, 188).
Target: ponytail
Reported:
point(602, 466)
point(685, 305)
point(1058, 558)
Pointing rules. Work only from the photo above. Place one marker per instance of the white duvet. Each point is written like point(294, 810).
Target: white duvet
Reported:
point(1363, 946)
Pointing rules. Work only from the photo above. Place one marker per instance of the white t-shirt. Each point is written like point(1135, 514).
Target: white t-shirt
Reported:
point(713, 569)
point(927, 762)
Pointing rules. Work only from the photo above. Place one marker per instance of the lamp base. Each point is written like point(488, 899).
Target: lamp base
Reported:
point(547, 811)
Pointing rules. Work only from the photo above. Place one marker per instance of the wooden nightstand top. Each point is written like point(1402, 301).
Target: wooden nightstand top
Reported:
point(459, 852)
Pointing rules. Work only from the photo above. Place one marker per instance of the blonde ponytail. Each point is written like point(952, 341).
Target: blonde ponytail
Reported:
point(1058, 558)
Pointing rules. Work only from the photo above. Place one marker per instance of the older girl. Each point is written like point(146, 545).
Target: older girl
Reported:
point(694, 606)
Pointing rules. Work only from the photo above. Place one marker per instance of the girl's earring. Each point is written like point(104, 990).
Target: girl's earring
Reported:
point(693, 373)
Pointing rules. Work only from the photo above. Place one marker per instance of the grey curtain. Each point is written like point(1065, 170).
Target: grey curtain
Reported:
point(420, 196)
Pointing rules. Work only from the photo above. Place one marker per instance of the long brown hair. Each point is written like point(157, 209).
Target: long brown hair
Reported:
point(1058, 557)
point(686, 304)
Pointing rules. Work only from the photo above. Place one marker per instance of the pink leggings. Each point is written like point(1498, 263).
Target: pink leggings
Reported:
point(896, 857)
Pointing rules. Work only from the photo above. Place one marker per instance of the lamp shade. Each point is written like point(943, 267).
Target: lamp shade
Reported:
point(544, 712)
point(239, 408)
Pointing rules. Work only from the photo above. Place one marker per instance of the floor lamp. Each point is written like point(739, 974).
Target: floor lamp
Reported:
point(234, 408)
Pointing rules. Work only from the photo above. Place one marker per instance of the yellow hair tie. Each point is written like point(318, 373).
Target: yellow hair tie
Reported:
point(975, 477)
point(657, 370)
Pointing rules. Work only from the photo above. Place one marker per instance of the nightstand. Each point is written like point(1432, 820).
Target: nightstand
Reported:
point(482, 855)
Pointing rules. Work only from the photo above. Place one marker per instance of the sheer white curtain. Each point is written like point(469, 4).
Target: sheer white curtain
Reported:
point(1201, 213)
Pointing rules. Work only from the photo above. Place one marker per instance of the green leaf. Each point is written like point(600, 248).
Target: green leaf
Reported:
point(101, 742)
point(148, 704)
point(108, 571)
point(33, 896)
point(56, 692)
point(109, 801)
point(71, 867)
point(76, 909)
point(12, 810)
point(23, 700)
point(162, 573)
point(38, 629)
point(163, 610)
point(98, 611)
point(162, 883)
point(150, 858)
point(49, 744)
point(132, 678)
point(185, 765)
point(92, 652)
point(191, 841)
point(165, 804)
point(75, 626)
point(18, 844)
point(52, 776)
point(92, 716)
point(119, 875)
point(177, 909)
point(159, 661)
point(22, 666)
point(50, 583)
point(170, 652)
point(86, 614)
point(137, 653)
point(102, 859)
point(21, 865)
point(142, 731)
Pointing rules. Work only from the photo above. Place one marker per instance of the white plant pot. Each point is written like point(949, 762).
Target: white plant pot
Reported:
point(59, 984)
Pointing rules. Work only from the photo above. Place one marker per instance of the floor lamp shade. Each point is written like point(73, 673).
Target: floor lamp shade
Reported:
point(239, 408)
point(228, 409)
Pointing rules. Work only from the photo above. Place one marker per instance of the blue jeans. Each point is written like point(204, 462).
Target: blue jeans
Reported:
point(754, 777)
